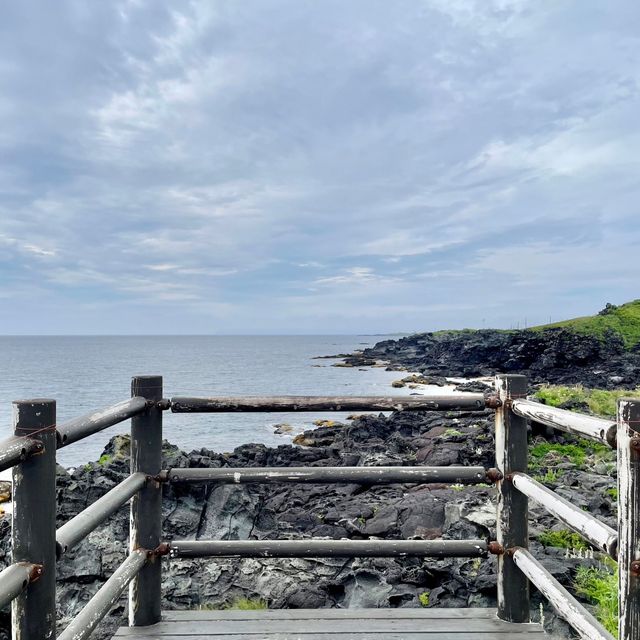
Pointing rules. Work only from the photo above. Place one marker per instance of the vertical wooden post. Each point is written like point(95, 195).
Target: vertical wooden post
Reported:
point(33, 612)
point(513, 508)
point(629, 518)
point(146, 505)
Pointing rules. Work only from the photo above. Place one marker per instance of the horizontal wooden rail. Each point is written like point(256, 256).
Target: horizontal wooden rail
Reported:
point(97, 608)
point(84, 426)
point(577, 423)
point(15, 449)
point(284, 404)
point(76, 529)
point(328, 548)
point(563, 602)
point(331, 475)
point(597, 533)
point(14, 580)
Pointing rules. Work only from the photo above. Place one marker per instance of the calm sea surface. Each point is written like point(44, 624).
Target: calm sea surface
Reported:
point(87, 373)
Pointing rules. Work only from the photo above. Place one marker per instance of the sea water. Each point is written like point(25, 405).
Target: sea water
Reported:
point(85, 373)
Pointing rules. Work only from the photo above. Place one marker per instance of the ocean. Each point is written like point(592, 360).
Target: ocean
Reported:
point(84, 373)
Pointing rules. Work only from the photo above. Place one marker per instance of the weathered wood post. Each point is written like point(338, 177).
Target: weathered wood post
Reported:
point(513, 508)
point(33, 612)
point(629, 518)
point(146, 505)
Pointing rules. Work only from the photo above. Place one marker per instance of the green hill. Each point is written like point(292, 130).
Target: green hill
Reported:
point(623, 319)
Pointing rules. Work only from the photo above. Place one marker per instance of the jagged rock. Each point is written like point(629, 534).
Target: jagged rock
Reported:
point(557, 356)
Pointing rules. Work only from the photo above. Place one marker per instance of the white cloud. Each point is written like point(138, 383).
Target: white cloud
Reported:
point(227, 155)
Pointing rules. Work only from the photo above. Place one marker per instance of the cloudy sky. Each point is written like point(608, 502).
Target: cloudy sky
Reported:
point(316, 166)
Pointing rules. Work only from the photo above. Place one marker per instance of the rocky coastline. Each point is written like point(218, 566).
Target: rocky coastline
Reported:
point(553, 356)
point(334, 511)
point(350, 511)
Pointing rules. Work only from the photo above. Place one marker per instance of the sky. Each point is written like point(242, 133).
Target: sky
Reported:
point(316, 166)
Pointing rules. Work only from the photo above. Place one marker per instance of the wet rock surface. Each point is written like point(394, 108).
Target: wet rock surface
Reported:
point(328, 511)
point(555, 356)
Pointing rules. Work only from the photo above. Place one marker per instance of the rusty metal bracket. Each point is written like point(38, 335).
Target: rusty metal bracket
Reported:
point(494, 475)
point(634, 568)
point(36, 571)
point(163, 549)
point(495, 548)
point(492, 402)
point(634, 443)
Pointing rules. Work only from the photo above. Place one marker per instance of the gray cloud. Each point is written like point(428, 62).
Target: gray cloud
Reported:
point(288, 165)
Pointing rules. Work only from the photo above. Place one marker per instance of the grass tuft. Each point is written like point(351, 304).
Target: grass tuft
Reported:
point(600, 586)
point(564, 539)
point(247, 604)
point(548, 453)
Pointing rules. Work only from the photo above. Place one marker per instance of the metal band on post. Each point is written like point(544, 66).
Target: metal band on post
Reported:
point(512, 517)
point(629, 518)
point(33, 612)
point(146, 505)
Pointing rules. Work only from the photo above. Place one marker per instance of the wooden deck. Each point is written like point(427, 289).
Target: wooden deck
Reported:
point(338, 624)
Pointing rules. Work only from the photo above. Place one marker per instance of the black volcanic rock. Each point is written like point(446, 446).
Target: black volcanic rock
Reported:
point(557, 356)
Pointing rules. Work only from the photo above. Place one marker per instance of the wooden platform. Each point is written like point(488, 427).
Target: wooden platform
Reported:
point(335, 624)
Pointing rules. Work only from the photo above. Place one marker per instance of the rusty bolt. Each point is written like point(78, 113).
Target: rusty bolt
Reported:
point(635, 568)
point(634, 443)
point(495, 548)
point(162, 549)
point(494, 475)
point(164, 404)
point(492, 402)
point(35, 572)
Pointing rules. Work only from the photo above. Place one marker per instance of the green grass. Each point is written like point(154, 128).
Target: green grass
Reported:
point(247, 604)
point(550, 477)
point(600, 586)
point(564, 539)
point(545, 453)
point(424, 598)
point(545, 456)
point(623, 320)
point(600, 401)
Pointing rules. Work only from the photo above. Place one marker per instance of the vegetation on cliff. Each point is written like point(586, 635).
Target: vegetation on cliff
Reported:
point(623, 320)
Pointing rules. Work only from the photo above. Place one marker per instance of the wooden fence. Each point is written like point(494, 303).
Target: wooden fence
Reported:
point(29, 582)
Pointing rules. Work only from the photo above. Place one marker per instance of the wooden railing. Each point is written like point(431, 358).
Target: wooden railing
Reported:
point(29, 582)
